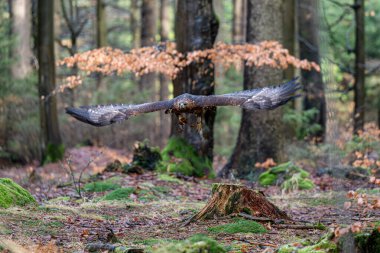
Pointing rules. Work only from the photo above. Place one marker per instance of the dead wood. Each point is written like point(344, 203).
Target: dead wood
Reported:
point(295, 226)
point(230, 199)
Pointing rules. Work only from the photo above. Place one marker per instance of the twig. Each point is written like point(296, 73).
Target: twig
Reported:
point(250, 217)
point(264, 244)
point(291, 226)
point(69, 169)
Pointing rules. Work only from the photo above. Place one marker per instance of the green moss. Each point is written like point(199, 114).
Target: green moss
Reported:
point(195, 244)
point(12, 194)
point(145, 156)
point(146, 195)
point(102, 186)
point(368, 241)
point(167, 178)
point(180, 157)
point(281, 168)
point(119, 194)
point(306, 184)
point(297, 182)
point(324, 245)
point(294, 177)
point(54, 153)
point(267, 178)
point(239, 226)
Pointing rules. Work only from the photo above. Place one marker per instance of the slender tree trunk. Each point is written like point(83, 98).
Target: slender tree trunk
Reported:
point(309, 49)
point(148, 33)
point(260, 135)
point(135, 23)
point(164, 80)
point(101, 34)
point(149, 82)
point(196, 29)
point(359, 85)
point(239, 21)
point(46, 76)
point(289, 33)
point(21, 29)
point(101, 25)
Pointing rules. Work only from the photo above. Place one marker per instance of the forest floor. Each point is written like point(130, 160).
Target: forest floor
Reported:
point(155, 210)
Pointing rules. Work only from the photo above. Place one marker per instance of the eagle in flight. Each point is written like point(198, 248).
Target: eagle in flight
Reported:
point(267, 98)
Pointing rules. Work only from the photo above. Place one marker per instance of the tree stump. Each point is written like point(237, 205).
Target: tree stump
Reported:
point(230, 199)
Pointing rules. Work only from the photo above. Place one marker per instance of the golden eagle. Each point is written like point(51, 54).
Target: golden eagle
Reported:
point(266, 98)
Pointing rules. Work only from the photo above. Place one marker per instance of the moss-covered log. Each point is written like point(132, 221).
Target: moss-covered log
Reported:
point(229, 199)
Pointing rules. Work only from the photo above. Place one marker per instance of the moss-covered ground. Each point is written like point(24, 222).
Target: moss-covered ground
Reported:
point(12, 194)
point(147, 211)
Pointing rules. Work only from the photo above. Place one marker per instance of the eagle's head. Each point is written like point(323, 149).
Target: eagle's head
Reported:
point(184, 103)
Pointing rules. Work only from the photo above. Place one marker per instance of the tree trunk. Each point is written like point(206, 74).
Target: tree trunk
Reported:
point(148, 33)
point(147, 82)
point(135, 28)
point(289, 32)
point(101, 25)
point(164, 80)
point(239, 21)
point(260, 135)
point(196, 29)
point(230, 199)
point(101, 35)
point(21, 29)
point(46, 76)
point(359, 85)
point(309, 49)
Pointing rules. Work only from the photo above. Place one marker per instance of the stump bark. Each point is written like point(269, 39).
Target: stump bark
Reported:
point(230, 199)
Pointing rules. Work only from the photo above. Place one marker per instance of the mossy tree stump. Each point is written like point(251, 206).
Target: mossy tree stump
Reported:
point(230, 199)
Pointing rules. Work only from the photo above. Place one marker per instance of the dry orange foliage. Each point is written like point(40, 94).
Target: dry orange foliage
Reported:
point(165, 59)
point(267, 164)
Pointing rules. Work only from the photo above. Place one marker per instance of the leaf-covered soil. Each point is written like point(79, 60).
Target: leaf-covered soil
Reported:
point(156, 209)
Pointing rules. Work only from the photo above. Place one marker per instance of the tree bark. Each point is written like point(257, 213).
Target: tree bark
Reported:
point(135, 28)
point(359, 85)
point(101, 25)
point(164, 80)
point(289, 33)
point(309, 49)
point(148, 33)
point(260, 135)
point(239, 21)
point(21, 29)
point(147, 82)
point(101, 34)
point(196, 28)
point(230, 199)
point(46, 75)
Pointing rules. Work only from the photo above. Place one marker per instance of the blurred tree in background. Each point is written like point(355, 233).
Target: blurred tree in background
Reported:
point(261, 134)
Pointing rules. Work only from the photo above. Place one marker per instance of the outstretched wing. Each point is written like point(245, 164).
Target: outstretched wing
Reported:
point(103, 115)
point(267, 98)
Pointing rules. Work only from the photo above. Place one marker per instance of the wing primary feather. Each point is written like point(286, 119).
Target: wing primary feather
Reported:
point(103, 115)
point(269, 98)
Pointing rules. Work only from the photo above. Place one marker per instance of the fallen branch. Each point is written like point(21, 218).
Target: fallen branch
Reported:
point(264, 244)
point(255, 218)
point(293, 226)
